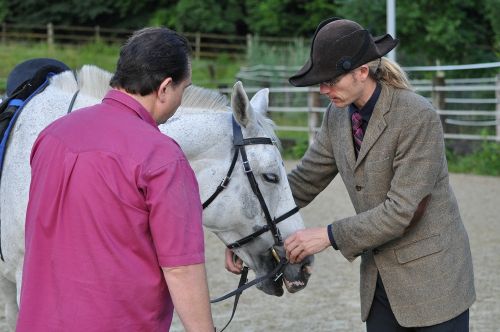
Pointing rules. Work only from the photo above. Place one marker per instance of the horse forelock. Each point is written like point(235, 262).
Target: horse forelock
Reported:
point(268, 126)
point(196, 99)
point(93, 81)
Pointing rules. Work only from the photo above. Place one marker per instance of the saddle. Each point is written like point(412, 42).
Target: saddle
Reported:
point(25, 81)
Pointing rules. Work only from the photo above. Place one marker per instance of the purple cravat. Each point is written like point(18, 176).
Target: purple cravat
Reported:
point(357, 130)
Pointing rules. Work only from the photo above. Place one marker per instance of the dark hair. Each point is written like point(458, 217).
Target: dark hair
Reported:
point(148, 57)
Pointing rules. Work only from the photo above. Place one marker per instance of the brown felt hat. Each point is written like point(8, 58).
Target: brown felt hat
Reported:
point(339, 46)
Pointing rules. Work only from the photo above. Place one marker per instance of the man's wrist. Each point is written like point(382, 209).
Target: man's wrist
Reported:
point(331, 238)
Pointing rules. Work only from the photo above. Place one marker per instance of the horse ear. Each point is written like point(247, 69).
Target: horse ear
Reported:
point(243, 114)
point(260, 101)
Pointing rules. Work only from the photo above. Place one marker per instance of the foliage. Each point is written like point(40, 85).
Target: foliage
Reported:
point(292, 54)
point(287, 17)
point(3, 10)
point(207, 15)
point(484, 161)
point(453, 31)
point(123, 13)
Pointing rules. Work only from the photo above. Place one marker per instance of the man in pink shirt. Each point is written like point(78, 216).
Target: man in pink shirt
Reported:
point(114, 235)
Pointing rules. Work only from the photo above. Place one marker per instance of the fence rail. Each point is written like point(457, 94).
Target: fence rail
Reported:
point(205, 45)
point(456, 105)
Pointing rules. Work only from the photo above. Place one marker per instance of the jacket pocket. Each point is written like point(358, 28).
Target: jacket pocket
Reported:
point(419, 249)
point(381, 165)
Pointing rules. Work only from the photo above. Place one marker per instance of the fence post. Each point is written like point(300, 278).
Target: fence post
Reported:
point(438, 97)
point(197, 47)
point(4, 32)
point(313, 100)
point(249, 44)
point(97, 34)
point(498, 107)
point(50, 35)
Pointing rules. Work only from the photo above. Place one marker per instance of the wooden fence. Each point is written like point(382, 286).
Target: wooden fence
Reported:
point(205, 45)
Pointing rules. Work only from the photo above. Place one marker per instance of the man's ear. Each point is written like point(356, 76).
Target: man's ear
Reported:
point(364, 71)
point(162, 90)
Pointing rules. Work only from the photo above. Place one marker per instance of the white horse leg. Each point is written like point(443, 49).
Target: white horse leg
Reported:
point(8, 292)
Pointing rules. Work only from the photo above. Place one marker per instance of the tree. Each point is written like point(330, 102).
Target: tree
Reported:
point(455, 31)
point(124, 13)
point(287, 17)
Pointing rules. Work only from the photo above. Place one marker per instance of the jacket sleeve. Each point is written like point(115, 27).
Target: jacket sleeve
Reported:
point(317, 168)
point(418, 163)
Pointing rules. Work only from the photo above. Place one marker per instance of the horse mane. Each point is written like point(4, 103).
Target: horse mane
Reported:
point(90, 80)
point(65, 81)
point(93, 81)
point(196, 99)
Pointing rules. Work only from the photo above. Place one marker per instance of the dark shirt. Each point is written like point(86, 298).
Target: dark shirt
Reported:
point(366, 113)
point(367, 110)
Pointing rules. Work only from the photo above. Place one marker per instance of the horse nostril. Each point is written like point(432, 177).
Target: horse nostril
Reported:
point(307, 269)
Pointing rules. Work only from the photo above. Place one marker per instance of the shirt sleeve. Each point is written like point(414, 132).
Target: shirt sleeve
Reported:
point(175, 214)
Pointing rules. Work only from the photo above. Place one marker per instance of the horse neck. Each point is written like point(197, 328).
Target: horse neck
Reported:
point(204, 137)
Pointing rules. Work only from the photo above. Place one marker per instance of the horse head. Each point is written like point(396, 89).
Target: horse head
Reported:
point(236, 212)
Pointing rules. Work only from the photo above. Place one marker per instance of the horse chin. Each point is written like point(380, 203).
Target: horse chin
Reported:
point(272, 287)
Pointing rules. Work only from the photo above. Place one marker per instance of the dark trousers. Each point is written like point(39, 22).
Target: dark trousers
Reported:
point(381, 317)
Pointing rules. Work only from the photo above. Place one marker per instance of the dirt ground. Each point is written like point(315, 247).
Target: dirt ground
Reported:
point(330, 302)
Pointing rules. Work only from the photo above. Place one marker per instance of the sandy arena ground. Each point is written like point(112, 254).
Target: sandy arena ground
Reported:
point(330, 302)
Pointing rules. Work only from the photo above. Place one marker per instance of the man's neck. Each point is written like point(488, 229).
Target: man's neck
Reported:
point(368, 89)
point(146, 101)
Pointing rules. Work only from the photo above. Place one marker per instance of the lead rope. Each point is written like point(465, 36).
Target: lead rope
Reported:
point(243, 280)
point(243, 285)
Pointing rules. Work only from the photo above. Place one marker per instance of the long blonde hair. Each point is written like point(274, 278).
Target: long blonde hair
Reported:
point(389, 72)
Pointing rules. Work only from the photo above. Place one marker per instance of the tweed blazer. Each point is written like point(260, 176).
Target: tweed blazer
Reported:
point(425, 265)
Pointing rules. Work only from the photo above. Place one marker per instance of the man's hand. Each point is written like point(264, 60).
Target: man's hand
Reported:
point(306, 242)
point(233, 263)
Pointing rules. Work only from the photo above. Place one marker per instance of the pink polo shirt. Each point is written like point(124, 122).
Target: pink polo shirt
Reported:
point(112, 200)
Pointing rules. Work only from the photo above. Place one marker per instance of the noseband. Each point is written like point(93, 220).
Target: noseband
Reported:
point(239, 144)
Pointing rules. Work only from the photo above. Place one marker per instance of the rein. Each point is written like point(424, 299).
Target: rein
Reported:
point(271, 224)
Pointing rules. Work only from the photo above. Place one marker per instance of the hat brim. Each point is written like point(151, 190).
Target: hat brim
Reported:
point(311, 75)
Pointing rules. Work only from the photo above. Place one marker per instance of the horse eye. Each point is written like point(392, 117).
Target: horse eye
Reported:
point(270, 177)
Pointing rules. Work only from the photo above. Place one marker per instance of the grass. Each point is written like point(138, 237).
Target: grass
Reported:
point(207, 73)
point(483, 161)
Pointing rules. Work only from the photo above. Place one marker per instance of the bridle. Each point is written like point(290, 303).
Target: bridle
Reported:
point(239, 144)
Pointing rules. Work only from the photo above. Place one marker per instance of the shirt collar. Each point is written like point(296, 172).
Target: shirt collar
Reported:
point(118, 97)
point(367, 110)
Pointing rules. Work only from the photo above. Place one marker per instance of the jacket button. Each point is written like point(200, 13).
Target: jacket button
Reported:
point(358, 188)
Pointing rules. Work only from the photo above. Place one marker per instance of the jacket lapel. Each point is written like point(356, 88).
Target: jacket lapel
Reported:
point(346, 136)
point(377, 123)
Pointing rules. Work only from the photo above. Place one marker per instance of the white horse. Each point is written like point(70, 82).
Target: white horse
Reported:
point(203, 128)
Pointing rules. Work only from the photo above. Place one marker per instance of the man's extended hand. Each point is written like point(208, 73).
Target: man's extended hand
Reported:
point(233, 263)
point(306, 242)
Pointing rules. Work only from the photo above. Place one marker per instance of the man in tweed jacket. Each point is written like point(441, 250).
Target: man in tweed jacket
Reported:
point(416, 266)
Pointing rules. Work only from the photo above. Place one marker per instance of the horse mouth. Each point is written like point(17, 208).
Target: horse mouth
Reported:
point(293, 286)
point(293, 276)
point(296, 276)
